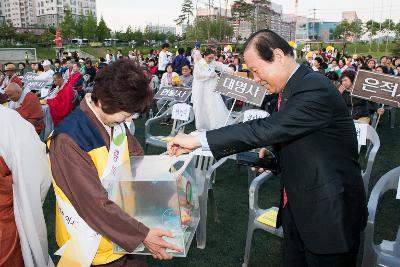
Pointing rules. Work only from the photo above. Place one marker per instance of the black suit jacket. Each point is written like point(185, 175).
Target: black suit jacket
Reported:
point(318, 158)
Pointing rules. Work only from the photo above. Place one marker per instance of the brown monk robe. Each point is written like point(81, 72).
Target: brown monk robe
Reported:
point(10, 248)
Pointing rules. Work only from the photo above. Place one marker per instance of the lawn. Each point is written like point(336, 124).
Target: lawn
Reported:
point(226, 240)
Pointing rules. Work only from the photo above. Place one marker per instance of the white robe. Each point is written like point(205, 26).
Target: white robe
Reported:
point(25, 156)
point(209, 108)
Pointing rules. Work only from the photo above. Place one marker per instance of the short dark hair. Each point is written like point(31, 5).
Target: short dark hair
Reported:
point(265, 41)
point(102, 59)
point(319, 60)
point(209, 51)
point(22, 63)
point(349, 74)
point(181, 51)
point(165, 45)
point(169, 65)
point(40, 67)
point(58, 75)
point(122, 86)
point(332, 75)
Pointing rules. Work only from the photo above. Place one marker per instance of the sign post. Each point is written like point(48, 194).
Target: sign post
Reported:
point(379, 88)
point(179, 94)
point(240, 88)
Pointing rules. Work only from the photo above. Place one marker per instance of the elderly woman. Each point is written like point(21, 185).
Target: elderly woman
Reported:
point(94, 137)
point(358, 107)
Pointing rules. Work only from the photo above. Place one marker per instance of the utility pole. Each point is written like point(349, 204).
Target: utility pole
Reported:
point(314, 10)
point(380, 25)
point(390, 24)
point(372, 26)
point(315, 32)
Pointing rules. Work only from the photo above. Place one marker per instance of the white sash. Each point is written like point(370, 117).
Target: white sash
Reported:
point(81, 234)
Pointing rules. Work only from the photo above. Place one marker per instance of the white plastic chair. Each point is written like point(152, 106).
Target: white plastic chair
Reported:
point(177, 126)
point(254, 212)
point(372, 150)
point(387, 253)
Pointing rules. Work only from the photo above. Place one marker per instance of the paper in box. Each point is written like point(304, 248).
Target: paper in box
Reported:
point(160, 192)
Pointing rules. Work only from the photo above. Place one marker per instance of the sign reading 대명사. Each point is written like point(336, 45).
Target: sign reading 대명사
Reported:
point(240, 88)
point(180, 94)
point(181, 111)
point(376, 87)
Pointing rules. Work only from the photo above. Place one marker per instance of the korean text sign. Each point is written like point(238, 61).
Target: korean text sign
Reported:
point(379, 88)
point(240, 88)
point(180, 94)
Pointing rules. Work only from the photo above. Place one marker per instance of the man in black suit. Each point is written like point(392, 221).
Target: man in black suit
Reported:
point(323, 208)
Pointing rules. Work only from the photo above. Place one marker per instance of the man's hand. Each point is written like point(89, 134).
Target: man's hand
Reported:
point(341, 88)
point(380, 111)
point(261, 154)
point(182, 144)
point(43, 101)
point(158, 246)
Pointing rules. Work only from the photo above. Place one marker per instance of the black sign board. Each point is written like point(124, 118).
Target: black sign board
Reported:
point(376, 87)
point(29, 76)
point(240, 88)
point(180, 94)
point(35, 85)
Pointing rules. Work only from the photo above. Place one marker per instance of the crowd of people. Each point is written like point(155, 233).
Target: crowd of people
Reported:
point(85, 108)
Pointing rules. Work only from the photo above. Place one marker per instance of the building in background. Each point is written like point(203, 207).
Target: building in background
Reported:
point(160, 28)
point(308, 29)
point(21, 13)
point(33, 13)
point(350, 16)
point(51, 12)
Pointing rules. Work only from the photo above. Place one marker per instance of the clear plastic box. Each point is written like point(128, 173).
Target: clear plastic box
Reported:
point(159, 191)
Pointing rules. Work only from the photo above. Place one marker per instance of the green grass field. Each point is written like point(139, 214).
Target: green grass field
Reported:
point(356, 48)
point(226, 240)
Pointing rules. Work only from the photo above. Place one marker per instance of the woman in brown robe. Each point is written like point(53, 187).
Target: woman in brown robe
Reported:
point(10, 249)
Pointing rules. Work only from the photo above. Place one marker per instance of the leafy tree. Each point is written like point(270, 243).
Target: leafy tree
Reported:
point(186, 13)
point(79, 27)
point(344, 29)
point(7, 33)
point(103, 32)
point(138, 37)
point(68, 25)
point(90, 27)
point(205, 27)
point(372, 27)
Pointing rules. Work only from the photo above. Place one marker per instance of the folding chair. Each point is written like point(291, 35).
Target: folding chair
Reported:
point(374, 143)
point(254, 212)
point(387, 253)
point(178, 125)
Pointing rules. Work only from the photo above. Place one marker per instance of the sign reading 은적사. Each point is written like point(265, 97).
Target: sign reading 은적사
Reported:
point(240, 88)
point(376, 87)
point(180, 94)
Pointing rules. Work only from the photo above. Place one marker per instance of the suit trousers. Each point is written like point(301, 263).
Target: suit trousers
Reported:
point(295, 254)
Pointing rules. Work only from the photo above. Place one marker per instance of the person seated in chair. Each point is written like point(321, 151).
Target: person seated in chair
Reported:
point(26, 104)
point(186, 79)
point(62, 104)
point(358, 107)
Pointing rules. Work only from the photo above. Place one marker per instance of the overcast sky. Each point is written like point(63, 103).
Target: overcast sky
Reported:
point(118, 14)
